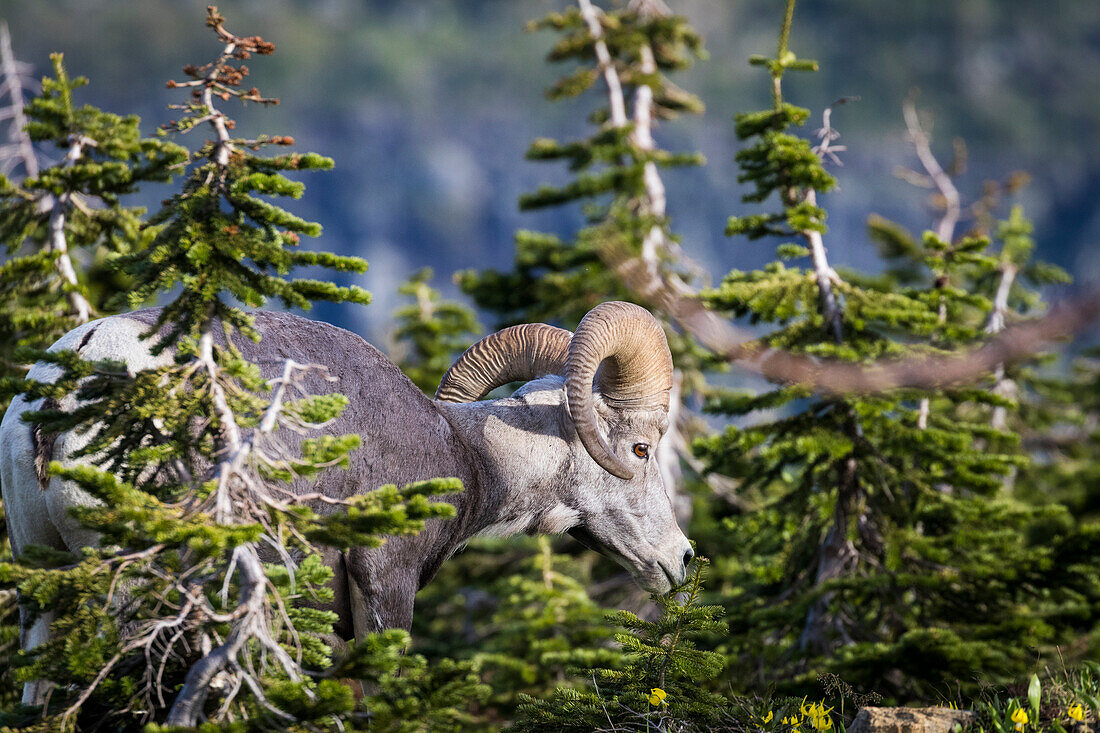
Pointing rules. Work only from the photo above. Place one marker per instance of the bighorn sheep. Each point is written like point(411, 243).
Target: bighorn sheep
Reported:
point(535, 462)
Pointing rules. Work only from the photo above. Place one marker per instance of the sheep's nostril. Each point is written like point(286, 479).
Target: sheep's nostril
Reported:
point(687, 556)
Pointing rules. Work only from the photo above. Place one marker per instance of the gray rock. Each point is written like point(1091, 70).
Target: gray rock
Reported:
point(910, 720)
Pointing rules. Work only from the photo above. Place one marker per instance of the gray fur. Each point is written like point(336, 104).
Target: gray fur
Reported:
point(523, 466)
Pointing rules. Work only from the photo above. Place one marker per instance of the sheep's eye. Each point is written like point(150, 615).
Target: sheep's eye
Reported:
point(641, 450)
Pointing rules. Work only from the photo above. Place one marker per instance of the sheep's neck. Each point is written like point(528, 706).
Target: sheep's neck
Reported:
point(522, 460)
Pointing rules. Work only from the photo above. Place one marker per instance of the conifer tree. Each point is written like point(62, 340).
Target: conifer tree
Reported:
point(58, 219)
point(191, 471)
point(544, 626)
point(432, 331)
point(880, 545)
point(519, 613)
point(1067, 441)
point(616, 169)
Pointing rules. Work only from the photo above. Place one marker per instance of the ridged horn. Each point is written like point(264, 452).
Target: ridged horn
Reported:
point(517, 353)
point(628, 347)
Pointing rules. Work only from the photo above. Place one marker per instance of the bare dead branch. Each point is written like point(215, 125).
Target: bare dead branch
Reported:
point(945, 227)
point(21, 148)
point(945, 230)
point(827, 134)
point(252, 626)
point(240, 498)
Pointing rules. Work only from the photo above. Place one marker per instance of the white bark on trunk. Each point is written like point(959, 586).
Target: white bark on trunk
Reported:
point(1002, 385)
point(824, 274)
point(591, 17)
point(59, 209)
point(945, 227)
point(14, 87)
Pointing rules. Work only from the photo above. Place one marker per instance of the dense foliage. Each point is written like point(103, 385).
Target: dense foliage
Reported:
point(937, 546)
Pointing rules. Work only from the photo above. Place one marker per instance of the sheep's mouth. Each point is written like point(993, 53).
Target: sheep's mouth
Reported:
point(586, 538)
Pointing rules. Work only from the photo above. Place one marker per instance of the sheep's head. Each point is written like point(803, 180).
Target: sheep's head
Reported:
point(618, 373)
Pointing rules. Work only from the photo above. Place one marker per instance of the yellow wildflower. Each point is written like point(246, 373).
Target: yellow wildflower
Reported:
point(1076, 713)
point(814, 709)
point(657, 696)
point(1019, 717)
point(822, 722)
point(768, 718)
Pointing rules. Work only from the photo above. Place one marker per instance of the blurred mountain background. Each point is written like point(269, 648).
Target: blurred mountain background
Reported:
point(428, 106)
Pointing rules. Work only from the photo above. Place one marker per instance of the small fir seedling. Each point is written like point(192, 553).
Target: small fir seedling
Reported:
point(660, 679)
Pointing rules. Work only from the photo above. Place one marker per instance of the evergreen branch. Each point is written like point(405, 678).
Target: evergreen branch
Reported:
point(782, 54)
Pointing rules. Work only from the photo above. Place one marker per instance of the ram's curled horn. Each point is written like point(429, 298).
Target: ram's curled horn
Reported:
point(517, 353)
point(628, 347)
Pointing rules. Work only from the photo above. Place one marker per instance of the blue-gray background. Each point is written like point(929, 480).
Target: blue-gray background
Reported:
point(428, 106)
